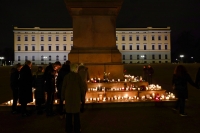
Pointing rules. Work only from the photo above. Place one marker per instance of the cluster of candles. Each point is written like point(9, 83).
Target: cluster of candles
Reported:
point(131, 78)
point(153, 96)
point(128, 88)
point(153, 87)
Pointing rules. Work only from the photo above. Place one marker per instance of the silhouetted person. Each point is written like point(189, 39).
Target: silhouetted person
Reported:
point(38, 84)
point(73, 94)
point(50, 85)
point(179, 81)
point(150, 74)
point(14, 84)
point(25, 87)
point(145, 73)
point(61, 74)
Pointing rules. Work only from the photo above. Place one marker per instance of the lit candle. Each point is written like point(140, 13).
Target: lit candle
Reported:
point(125, 80)
point(56, 101)
point(118, 80)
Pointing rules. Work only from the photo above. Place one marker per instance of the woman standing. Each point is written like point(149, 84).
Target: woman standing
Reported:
point(179, 81)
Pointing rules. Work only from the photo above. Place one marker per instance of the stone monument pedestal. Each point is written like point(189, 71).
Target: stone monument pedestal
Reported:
point(94, 36)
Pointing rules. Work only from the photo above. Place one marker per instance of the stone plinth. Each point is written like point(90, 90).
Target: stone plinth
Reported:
point(94, 36)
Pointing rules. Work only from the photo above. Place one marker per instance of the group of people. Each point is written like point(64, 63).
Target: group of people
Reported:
point(148, 72)
point(70, 80)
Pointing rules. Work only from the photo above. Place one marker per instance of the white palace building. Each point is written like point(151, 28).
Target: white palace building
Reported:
point(47, 45)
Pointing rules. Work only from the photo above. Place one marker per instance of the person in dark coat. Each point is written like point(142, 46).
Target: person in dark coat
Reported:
point(73, 94)
point(150, 74)
point(38, 84)
point(25, 87)
point(145, 73)
point(61, 74)
point(14, 84)
point(179, 81)
point(50, 85)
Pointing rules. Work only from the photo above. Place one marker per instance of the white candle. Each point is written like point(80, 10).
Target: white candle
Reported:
point(56, 101)
point(118, 80)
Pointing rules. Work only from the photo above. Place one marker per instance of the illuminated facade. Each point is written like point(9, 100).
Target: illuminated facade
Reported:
point(47, 45)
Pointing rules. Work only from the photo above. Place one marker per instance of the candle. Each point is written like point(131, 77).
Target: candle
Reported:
point(118, 80)
point(56, 101)
point(125, 80)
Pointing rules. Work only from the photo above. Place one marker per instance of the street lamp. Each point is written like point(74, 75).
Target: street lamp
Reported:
point(45, 59)
point(181, 57)
point(142, 56)
point(1, 58)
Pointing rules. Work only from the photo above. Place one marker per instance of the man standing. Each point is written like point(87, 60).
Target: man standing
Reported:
point(25, 87)
point(73, 94)
point(50, 85)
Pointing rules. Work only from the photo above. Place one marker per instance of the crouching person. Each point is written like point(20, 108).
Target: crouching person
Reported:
point(73, 94)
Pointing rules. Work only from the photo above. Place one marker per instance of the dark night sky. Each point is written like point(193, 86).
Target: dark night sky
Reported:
point(180, 15)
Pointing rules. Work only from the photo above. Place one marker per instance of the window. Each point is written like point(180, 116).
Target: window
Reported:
point(159, 56)
point(159, 37)
point(26, 38)
point(42, 38)
point(159, 47)
point(33, 38)
point(42, 58)
point(49, 57)
point(130, 57)
point(138, 57)
point(19, 48)
point(65, 58)
point(49, 38)
point(166, 56)
point(152, 38)
point(33, 58)
point(26, 58)
point(130, 47)
point(64, 48)
point(145, 38)
point(145, 57)
point(26, 48)
point(116, 38)
point(165, 37)
point(130, 38)
point(64, 38)
point(71, 38)
point(18, 38)
point(123, 57)
point(18, 58)
point(71, 46)
point(57, 48)
point(42, 48)
point(165, 47)
point(49, 48)
point(57, 58)
point(123, 38)
point(153, 48)
point(153, 56)
point(123, 47)
point(137, 38)
point(57, 38)
point(138, 47)
point(145, 47)
point(117, 46)
point(33, 48)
